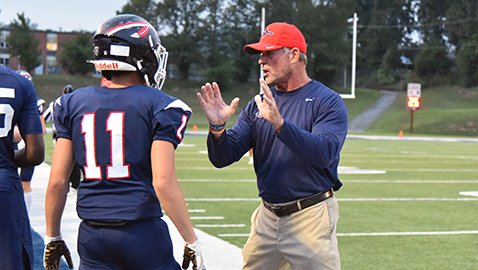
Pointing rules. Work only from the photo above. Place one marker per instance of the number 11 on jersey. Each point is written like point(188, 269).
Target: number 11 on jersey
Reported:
point(115, 126)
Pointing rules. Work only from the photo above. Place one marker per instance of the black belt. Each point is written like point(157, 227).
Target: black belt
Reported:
point(292, 207)
point(114, 222)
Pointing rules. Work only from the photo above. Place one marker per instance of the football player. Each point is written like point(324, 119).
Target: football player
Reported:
point(18, 106)
point(124, 137)
point(26, 174)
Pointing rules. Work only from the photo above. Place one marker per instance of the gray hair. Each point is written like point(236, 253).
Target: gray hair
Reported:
point(302, 56)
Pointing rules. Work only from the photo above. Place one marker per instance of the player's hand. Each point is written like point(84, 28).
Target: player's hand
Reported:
point(215, 109)
point(192, 253)
point(53, 252)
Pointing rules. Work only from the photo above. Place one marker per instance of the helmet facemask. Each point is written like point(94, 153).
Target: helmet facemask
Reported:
point(154, 73)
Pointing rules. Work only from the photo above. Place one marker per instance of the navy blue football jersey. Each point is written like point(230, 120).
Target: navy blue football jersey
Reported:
point(18, 105)
point(112, 132)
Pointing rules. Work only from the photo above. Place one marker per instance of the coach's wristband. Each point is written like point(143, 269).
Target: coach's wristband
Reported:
point(217, 128)
point(52, 239)
point(217, 132)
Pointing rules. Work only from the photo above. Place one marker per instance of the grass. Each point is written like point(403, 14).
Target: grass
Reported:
point(420, 173)
point(419, 191)
point(50, 87)
point(445, 110)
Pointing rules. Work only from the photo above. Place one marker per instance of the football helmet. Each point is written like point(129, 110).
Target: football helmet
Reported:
point(128, 42)
point(25, 74)
point(67, 89)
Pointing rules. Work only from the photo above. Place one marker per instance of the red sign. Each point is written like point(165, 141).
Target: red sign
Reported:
point(413, 103)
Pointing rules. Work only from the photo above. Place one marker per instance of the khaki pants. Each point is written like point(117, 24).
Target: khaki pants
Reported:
point(305, 240)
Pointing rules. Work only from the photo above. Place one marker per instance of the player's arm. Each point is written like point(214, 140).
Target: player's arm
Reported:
point(172, 200)
point(57, 190)
point(43, 124)
point(55, 199)
point(33, 153)
point(168, 190)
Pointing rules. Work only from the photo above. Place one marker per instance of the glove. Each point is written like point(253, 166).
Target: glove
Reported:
point(53, 252)
point(192, 253)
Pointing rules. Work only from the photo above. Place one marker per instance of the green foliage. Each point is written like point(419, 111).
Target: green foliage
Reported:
point(467, 61)
point(432, 13)
point(432, 62)
point(462, 15)
point(142, 8)
point(196, 29)
point(220, 71)
point(380, 33)
point(240, 27)
point(74, 57)
point(445, 110)
point(22, 42)
point(182, 20)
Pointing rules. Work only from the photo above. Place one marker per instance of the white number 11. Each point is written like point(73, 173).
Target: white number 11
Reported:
point(115, 126)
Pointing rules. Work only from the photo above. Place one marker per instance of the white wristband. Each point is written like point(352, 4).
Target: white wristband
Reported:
point(49, 239)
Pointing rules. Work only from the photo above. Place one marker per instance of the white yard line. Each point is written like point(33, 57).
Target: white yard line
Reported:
point(406, 233)
point(373, 234)
point(469, 193)
point(338, 199)
point(345, 181)
point(205, 218)
point(220, 225)
point(403, 199)
point(217, 180)
point(414, 181)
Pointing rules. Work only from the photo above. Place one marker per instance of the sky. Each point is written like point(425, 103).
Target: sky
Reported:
point(64, 15)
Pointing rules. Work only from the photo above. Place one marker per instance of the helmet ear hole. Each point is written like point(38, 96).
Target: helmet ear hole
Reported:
point(106, 74)
point(128, 42)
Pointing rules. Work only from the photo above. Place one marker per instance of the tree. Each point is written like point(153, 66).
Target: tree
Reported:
point(431, 62)
point(384, 26)
point(76, 53)
point(22, 42)
point(324, 26)
point(142, 8)
point(241, 26)
point(213, 46)
point(467, 61)
point(182, 20)
point(328, 36)
point(431, 16)
point(461, 21)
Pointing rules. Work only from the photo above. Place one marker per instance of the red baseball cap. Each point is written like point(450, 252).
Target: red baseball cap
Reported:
point(276, 36)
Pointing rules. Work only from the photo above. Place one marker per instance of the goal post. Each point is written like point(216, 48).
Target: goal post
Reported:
point(354, 61)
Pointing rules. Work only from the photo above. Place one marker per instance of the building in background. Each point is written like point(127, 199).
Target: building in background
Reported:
point(50, 46)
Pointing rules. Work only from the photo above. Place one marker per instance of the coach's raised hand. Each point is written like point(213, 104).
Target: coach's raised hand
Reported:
point(215, 109)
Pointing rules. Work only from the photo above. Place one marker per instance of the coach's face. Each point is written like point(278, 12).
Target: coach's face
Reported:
point(276, 66)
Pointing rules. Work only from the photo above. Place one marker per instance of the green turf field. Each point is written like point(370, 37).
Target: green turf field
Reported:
point(408, 215)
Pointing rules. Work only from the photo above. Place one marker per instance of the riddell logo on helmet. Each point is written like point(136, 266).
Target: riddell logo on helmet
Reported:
point(100, 66)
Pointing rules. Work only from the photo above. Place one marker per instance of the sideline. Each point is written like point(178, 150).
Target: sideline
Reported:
point(217, 253)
